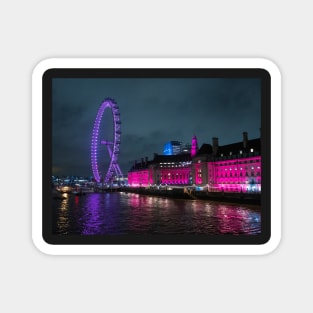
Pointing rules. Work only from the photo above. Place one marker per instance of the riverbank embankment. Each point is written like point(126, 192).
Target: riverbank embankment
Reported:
point(191, 194)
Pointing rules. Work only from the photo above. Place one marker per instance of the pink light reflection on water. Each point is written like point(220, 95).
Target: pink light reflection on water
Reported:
point(234, 220)
point(121, 213)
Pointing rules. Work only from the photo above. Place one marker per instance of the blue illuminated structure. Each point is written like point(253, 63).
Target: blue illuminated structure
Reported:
point(172, 148)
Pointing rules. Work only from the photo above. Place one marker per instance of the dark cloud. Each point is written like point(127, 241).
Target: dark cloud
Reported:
point(153, 111)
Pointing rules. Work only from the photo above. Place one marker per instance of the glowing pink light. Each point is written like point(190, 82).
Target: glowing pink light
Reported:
point(246, 178)
point(194, 146)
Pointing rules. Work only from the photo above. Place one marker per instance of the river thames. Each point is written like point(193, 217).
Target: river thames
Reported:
point(128, 213)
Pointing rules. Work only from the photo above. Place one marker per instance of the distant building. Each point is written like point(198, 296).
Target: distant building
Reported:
point(172, 148)
point(186, 148)
point(234, 167)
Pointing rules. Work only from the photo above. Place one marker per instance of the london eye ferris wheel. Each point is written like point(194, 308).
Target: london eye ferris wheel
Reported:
point(99, 138)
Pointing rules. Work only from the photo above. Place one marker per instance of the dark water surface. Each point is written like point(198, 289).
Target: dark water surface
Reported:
point(121, 213)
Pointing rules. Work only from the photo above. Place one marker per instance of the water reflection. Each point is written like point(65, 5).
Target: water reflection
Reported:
point(121, 213)
point(237, 220)
point(140, 217)
point(63, 216)
point(90, 221)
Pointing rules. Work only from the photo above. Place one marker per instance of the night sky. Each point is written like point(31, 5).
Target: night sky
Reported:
point(153, 111)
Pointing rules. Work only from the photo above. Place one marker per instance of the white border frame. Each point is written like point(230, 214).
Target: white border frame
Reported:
point(156, 249)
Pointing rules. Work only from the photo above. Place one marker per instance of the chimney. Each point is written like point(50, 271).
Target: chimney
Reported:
point(146, 159)
point(141, 161)
point(215, 145)
point(245, 139)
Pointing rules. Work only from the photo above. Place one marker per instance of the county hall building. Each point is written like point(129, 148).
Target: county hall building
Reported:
point(234, 167)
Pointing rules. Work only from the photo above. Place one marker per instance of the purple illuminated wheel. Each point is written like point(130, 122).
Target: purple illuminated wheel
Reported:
point(98, 138)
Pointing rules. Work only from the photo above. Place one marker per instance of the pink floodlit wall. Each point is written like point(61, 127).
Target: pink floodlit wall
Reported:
point(237, 175)
point(175, 176)
point(198, 173)
point(140, 178)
